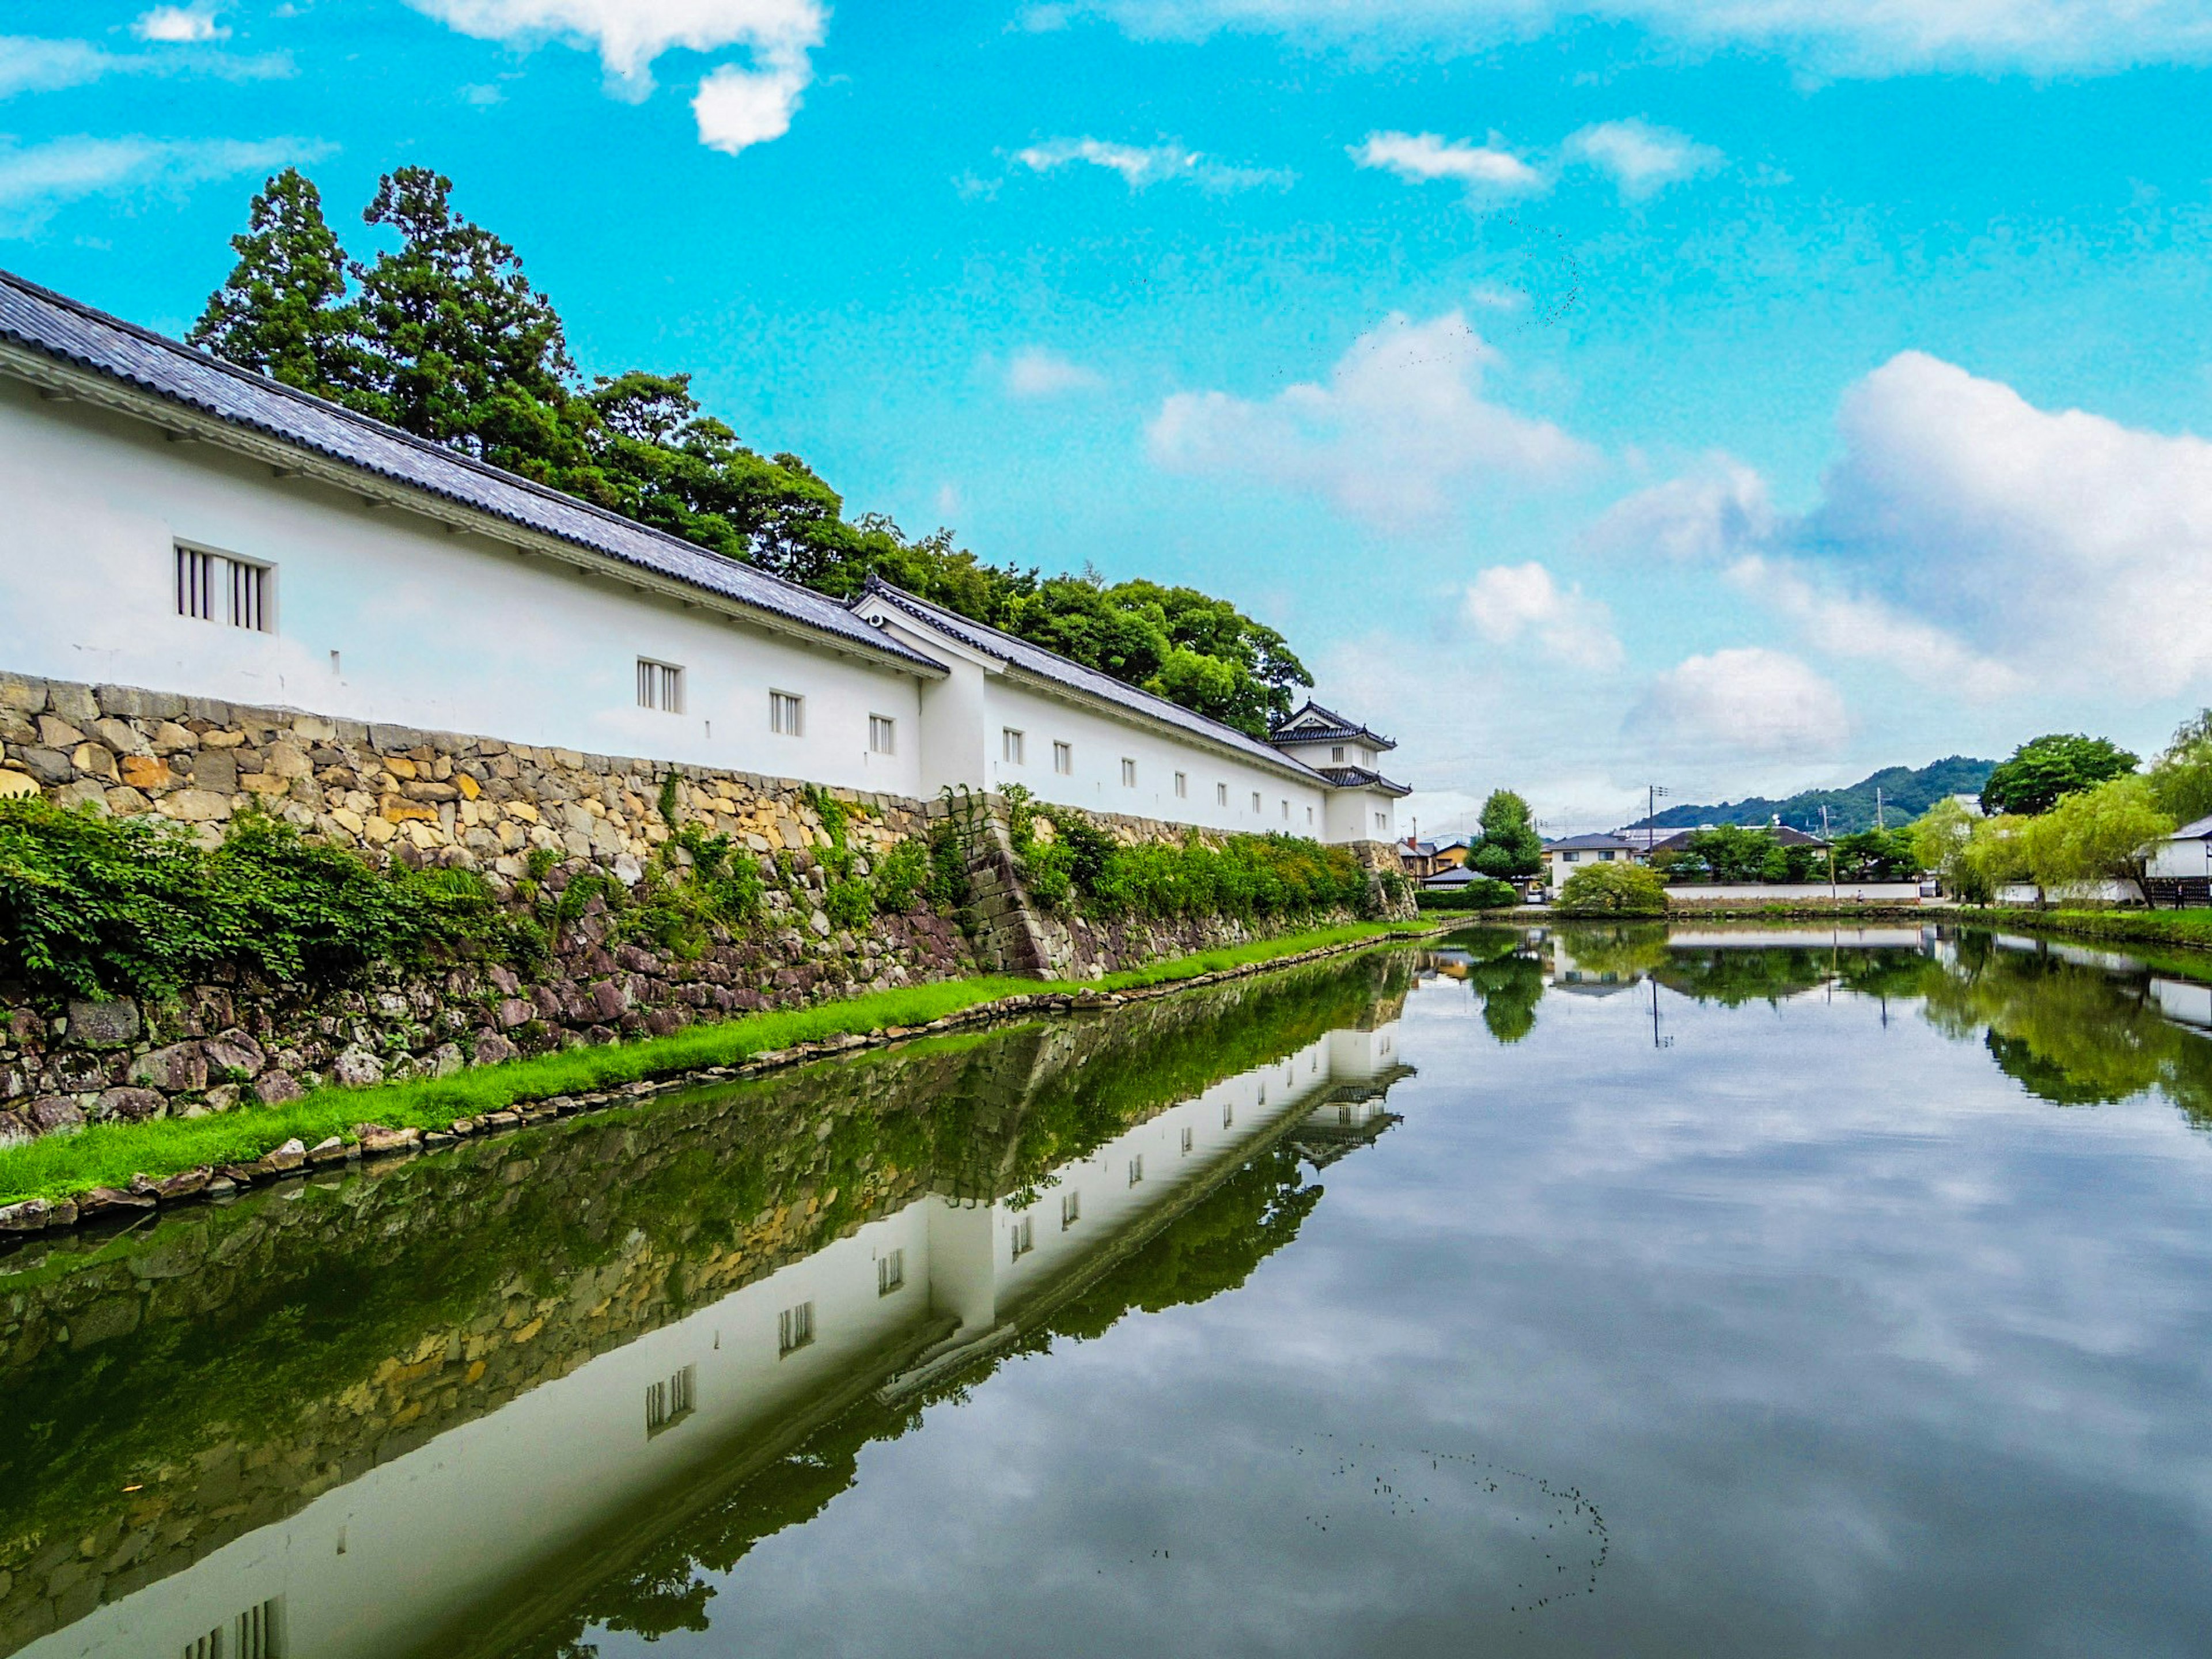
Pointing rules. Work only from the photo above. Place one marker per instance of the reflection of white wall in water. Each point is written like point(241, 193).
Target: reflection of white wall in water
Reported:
point(2183, 1001)
point(1869, 892)
point(1799, 938)
point(375, 1568)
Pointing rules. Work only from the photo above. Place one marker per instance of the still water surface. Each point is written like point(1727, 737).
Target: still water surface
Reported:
point(1734, 1292)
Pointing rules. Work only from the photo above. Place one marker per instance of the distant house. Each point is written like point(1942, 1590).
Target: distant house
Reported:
point(1563, 857)
point(2180, 869)
point(1783, 834)
point(1424, 858)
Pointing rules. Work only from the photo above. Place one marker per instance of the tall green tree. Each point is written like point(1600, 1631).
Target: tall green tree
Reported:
point(2044, 769)
point(2104, 833)
point(1509, 844)
point(458, 347)
point(2181, 778)
point(283, 310)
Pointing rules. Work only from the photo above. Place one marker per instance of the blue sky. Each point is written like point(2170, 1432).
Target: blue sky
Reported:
point(1597, 392)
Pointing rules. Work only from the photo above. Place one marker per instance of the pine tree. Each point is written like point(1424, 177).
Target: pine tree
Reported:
point(460, 349)
point(282, 311)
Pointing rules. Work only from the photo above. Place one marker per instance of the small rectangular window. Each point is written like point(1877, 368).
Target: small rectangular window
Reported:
point(1228, 1116)
point(1181, 786)
point(1383, 823)
point(1337, 754)
point(1010, 746)
point(1024, 1236)
point(1188, 1137)
point(1136, 1169)
point(257, 1633)
point(1128, 774)
point(1255, 800)
point(1309, 817)
point(1344, 1116)
point(891, 1271)
point(1286, 811)
point(659, 685)
point(1063, 758)
point(883, 734)
point(795, 1328)
point(787, 714)
point(218, 588)
point(1071, 1208)
point(1221, 794)
point(667, 1404)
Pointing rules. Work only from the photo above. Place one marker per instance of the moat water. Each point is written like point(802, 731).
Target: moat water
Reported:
point(1597, 1293)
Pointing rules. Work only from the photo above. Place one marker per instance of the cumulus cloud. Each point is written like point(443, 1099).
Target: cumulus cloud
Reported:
point(1642, 159)
point(1037, 372)
point(179, 24)
point(1508, 603)
point(36, 180)
point(1747, 701)
point(1833, 37)
point(1421, 157)
point(1398, 435)
point(737, 106)
point(28, 63)
point(1718, 510)
point(1141, 165)
point(1845, 625)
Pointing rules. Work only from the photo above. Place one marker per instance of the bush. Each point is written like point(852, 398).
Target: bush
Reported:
point(1611, 889)
point(101, 907)
point(901, 876)
point(1485, 894)
point(1251, 877)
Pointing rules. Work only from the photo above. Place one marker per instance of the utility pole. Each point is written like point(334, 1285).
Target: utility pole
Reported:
point(1878, 823)
point(1832, 855)
point(1650, 817)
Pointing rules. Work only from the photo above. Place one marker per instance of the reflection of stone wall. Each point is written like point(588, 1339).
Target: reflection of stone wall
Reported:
point(235, 1361)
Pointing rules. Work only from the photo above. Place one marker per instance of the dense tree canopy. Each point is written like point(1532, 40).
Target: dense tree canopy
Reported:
point(2045, 767)
point(443, 337)
point(1509, 844)
point(2181, 778)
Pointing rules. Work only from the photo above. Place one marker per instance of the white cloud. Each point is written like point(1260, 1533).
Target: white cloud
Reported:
point(1507, 602)
point(36, 180)
point(28, 63)
point(1140, 165)
point(1717, 511)
point(1421, 157)
point(1834, 37)
point(737, 106)
point(2062, 541)
point(1641, 159)
point(179, 25)
point(1399, 434)
point(1744, 702)
point(1037, 372)
point(1849, 625)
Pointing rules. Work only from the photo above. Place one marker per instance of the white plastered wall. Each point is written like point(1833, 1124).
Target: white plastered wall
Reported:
point(432, 630)
point(1098, 743)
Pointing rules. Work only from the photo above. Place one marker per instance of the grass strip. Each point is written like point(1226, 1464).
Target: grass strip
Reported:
point(2189, 930)
point(113, 1154)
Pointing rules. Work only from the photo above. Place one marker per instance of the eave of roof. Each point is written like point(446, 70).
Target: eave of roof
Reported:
point(1359, 777)
point(1054, 672)
point(1336, 729)
point(70, 350)
point(1590, 843)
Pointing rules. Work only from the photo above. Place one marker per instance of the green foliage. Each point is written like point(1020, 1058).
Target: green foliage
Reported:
point(670, 787)
point(1251, 877)
point(1725, 852)
point(1482, 894)
point(1877, 855)
point(93, 906)
point(1896, 793)
point(681, 905)
point(2044, 769)
point(901, 876)
point(1509, 844)
point(1940, 838)
point(1611, 889)
point(2181, 778)
point(2098, 835)
point(447, 339)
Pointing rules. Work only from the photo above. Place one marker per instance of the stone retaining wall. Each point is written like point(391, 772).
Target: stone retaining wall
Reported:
point(450, 799)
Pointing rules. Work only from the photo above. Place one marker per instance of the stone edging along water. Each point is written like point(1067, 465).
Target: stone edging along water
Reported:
point(378, 1143)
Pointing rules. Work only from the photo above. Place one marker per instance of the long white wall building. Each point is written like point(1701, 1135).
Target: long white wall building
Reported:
point(176, 524)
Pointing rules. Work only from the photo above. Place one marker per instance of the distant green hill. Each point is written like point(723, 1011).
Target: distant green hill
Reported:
point(1906, 794)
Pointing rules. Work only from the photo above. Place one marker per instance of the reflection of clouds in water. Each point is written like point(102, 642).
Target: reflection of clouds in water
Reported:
point(1869, 1351)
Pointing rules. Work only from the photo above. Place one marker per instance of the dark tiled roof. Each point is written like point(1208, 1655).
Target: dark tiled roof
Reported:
point(1328, 727)
point(1591, 844)
point(1359, 777)
point(1035, 659)
point(1784, 836)
point(60, 328)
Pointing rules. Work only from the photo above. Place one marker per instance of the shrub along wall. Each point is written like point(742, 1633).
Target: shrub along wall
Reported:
point(203, 906)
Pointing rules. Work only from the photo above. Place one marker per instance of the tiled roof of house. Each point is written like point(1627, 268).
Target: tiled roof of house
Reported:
point(2200, 830)
point(1359, 777)
point(58, 328)
point(1314, 724)
point(1591, 844)
point(1036, 660)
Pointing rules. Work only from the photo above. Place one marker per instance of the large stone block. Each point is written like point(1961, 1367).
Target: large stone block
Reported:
point(127, 1106)
point(179, 1068)
point(103, 1024)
